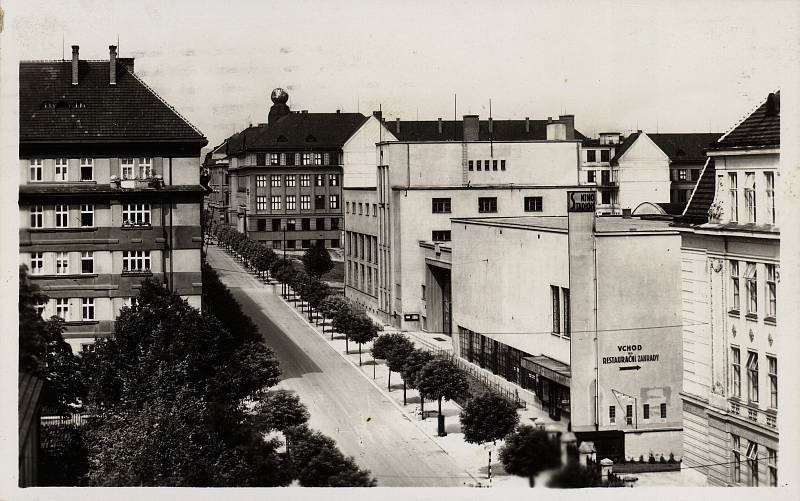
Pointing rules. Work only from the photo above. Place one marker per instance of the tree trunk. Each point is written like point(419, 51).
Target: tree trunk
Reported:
point(359, 354)
point(389, 384)
point(347, 344)
point(531, 480)
point(440, 406)
point(404, 392)
point(422, 405)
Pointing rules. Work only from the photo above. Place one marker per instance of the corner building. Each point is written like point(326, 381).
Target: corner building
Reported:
point(109, 191)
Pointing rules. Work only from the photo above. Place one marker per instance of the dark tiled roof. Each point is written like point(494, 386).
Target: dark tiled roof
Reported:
point(624, 147)
point(688, 147)
point(129, 110)
point(298, 131)
point(761, 129)
point(78, 189)
point(703, 194)
point(502, 130)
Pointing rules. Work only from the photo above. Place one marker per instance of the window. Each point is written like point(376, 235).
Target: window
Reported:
point(604, 155)
point(772, 366)
point(284, 158)
point(750, 196)
point(771, 291)
point(733, 193)
point(305, 202)
point(37, 263)
point(646, 411)
point(486, 165)
point(334, 223)
point(276, 244)
point(261, 158)
point(605, 197)
point(735, 284)
point(62, 263)
point(306, 159)
point(752, 292)
point(612, 414)
point(36, 169)
point(261, 181)
point(752, 463)
point(318, 159)
point(628, 414)
point(487, 204)
point(135, 261)
point(565, 310)
point(87, 308)
point(502, 165)
point(591, 156)
point(682, 174)
point(470, 165)
point(533, 204)
point(87, 262)
point(494, 164)
point(126, 168)
point(590, 176)
point(374, 210)
point(305, 179)
point(319, 179)
point(736, 377)
point(663, 409)
point(366, 209)
point(305, 224)
point(326, 159)
point(291, 203)
point(360, 208)
point(440, 205)
point(276, 225)
point(37, 216)
point(62, 308)
point(333, 179)
point(261, 225)
point(296, 159)
point(752, 376)
point(291, 225)
point(62, 216)
point(440, 235)
point(772, 464)
point(87, 169)
point(87, 216)
point(146, 168)
point(320, 225)
point(274, 159)
point(291, 181)
point(275, 202)
point(61, 170)
point(769, 182)
point(305, 244)
point(261, 203)
point(319, 202)
point(554, 292)
point(334, 202)
point(135, 214)
point(736, 448)
point(478, 164)
point(291, 244)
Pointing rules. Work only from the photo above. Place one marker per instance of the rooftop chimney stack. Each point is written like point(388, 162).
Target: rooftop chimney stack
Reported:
point(527, 125)
point(397, 125)
point(471, 127)
point(74, 65)
point(440, 125)
point(569, 121)
point(112, 64)
point(491, 127)
point(378, 115)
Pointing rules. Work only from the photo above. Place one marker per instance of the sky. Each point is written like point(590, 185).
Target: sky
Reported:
point(675, 66)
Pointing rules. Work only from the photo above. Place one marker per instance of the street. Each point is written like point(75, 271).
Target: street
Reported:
point(343, 404)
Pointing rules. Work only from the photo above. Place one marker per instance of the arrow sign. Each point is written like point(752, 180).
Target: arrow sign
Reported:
point(631, 368)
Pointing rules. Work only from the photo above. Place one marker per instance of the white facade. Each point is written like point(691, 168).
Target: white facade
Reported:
point(643, 174)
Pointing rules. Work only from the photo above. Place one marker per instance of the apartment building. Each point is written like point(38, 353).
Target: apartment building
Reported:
point(286, 174)
point(730, 273)
point(596, 155)
point(109, 191)
point(215, 166)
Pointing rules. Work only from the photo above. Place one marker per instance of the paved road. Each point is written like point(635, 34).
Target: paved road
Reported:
point(343, 404)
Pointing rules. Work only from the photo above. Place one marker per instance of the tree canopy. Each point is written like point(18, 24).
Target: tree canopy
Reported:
point(317, 260)
point(362, 330)
point(279, 410)
point(317, 462)
point(529, 451)
point(487, 418)
point(442, 379)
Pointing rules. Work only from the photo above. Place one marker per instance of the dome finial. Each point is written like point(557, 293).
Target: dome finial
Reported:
point(279, 96)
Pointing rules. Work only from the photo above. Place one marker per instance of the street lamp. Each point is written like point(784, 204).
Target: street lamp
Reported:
point(284, 259)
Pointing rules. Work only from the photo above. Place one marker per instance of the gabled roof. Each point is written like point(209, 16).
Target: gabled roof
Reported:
point(760, 129)
point(686, 147)
point(297, 131)
point(502, 130)
point(696, 211)
point(626, 144)
point(52, 109)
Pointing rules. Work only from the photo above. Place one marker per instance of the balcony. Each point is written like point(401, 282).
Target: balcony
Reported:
point(751, 413)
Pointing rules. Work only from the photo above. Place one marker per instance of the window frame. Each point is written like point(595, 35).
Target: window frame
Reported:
point(87, 165)
point(88, 211)
point(750, 197)
point(772, 374)
point(305, 180)
point(736, 372)
point(733, 267)
point(752, 376)
point(441, 205)
point(555, 293)
point(291, 202)
point(61, 215)
point(37, 263)
point(319, 180)
point(62, 263)
point(291, 180)
point(136, 214)
point(87, 257)
point(37, 216)
point(261, 180)
point(769, 183)
point(612, 414)
point(533, 204)
point(61, 170)
point(261, 203)
point(333, 201)
point(733, 196)
point(87, 309)
point(487, 205)
point(333, 179)
point(305, 202)
point(771, 291)
point(127, 168)
point(444, 234)
point(591, 156)
point(36, 170)
point(136, 257)
point(751, 285)
point(275, 202)
point(62, 308)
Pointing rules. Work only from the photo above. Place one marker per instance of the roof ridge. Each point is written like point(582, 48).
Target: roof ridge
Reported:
point(164, 101)
point(745, 117)
point(694, 190)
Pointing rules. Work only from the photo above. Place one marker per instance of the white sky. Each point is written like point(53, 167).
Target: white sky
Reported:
point(678, 66)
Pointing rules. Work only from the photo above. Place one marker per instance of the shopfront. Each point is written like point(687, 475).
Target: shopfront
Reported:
point(550, 380)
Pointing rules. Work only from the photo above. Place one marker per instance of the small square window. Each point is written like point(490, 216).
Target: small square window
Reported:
point(533, 204)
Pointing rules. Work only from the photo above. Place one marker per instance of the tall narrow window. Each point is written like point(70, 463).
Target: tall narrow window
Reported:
point(275, 180)
point(769, 182)
point(326, 159)
point(771, 291)
point(87, 215)
point(87, 308)
point(305, 202)
point(333, 179)
point(305, 180)
point(752, 463)
point(275, 202)
point(274, 159)
point(565, 310)
point(736, 372)
point(736, 451)
point(62, 216)
point(291, 202)
point(36, 169)
point(261, 181)
point(772, 464)
point(319, 203)
point(591, 156)
point(772, 363)
point(87, 262)
point(470, 165)
point(146, 168)
point(126, 168)
point(663, 408)
point(61, 170)
point(306, 158)
point(291, 181)
point(734, 199)
point(554, 292)
point(752, 291)
point(752, 376)
point(37, 263)
point(734, 267)
point(319, 179)
point(37, 216)
point(318, 159)
point(612, 414)
point(62, 263)
point(750, 195)
point(646, 411)
point(261, 203)
point(87, 169)
point(628, 414)
point(62, 308)
point(333, 202)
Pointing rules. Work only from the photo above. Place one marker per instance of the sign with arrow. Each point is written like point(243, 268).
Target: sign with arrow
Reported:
point(631, 368)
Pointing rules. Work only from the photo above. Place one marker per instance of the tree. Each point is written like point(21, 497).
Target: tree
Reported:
point(442, 379)
point(342, 322)
point(575, 476)
point(282, 270)
point(330, 306)
point(280, 410)
point(362, 330)
point(394, 348)
point(488, 418)
point(63, 458)
point(413, 365)
point(529, 451)
point(317, 462)
point(317, 260)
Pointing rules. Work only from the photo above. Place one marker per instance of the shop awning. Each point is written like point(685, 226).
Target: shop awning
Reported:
point(548, 368)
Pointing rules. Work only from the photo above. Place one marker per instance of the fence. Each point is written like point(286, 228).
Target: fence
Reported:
point(73, 419)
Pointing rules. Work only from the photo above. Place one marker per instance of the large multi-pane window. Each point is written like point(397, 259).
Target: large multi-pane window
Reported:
point(440, 205)
point(87, 215)
point(771, 291)
point(126, 168)
point(750, 277)
point(772, 464)
point(734, 266)
point(306, 158)
point(261, 181)
point(146, 168)
point(317, 158)
point(752, 376)
point(37, 216)
point(487, 204)
point(565, 311)
point(87, 262)
point(305, 202)
point(62, 308)
point(305, 179)
point(275, 180)
point(61, 170)
point(135, 214)
point(769, 182)
point(137, 261)
point(261, 203)
point(736, 372)
point(291, 202)
point(87, 308)
point(36, 169)
point(533, 204)
point(62, 263)
point(87, 169)
point(319, 179)
point(440, 235)
point(333, 179)
point(62, 216)
point(291, 181)
point(37, 263)
point(734, 199)
point(274, 159)
point(750, 195)
point(772, 366)
point(333, 202)
point(275, 202)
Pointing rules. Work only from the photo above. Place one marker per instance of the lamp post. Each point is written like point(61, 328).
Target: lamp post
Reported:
point(284, 258)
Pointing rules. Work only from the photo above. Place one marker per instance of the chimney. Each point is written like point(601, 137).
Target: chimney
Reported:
point(626, 213)
point(471, 127)
point(569, 121)
point(74, 65)
point(556, 130)
point(440, 125)
point(527, 125)
point(491, 127)
point(397, 125)
point(112, 64)
point(773, 104)
point(378, 115)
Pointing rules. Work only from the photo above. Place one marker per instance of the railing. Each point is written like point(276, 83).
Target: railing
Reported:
point(73, 419)
point(753, 414)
